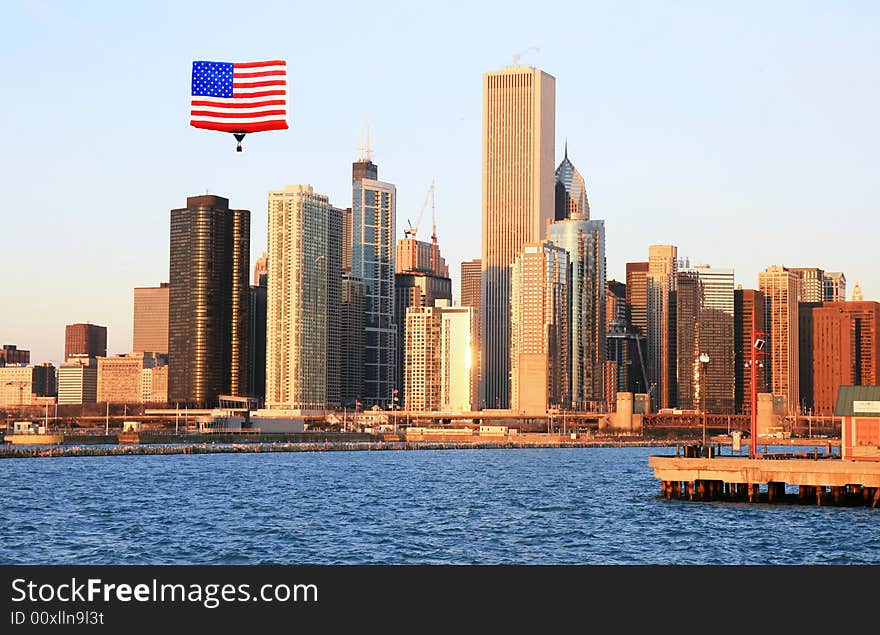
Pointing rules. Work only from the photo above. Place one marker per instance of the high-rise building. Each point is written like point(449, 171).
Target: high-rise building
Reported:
point(748, 318)
point(85, 339)
point(519, 105)
point(470, 295)
point(346, 240)
point(705, 326)
point(10, 355)
point(120, 378)
point(812, 283)
point(620, 341)
point(584, 241)
point(539, 330)
point(257, 337)
point(154, 383)
point(208, 317)
point(78, 380)
point(805, 354)
point(45, 382)
point(261, 270)
point(421, 278)
point(835, 286)
point(439, 374)
point(150, 328)
point(846, 350)
point(661, 337)
point(374, 205)
point(781, 289)
point(352, 314)
point(16, 386)
point(637, 309)
point(302, 370)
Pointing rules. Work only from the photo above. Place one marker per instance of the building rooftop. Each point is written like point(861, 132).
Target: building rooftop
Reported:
point(849, 396)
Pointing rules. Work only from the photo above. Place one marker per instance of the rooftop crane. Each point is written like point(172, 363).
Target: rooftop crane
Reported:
point(413, 229)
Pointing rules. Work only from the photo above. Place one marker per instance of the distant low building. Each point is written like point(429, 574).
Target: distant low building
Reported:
point(12, 355)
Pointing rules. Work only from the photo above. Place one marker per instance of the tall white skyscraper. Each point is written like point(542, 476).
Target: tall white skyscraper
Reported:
point(519, 114)
point(301, 371)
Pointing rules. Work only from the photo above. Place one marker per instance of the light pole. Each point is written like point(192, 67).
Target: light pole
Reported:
point(704, 363)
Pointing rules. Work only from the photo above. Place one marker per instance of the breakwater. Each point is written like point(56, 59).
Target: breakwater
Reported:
point(304, 446)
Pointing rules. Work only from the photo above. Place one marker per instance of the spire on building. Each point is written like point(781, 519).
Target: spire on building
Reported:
point(571, 192)
point(857, 293)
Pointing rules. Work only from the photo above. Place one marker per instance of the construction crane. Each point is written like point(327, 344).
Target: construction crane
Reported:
point(413, 229)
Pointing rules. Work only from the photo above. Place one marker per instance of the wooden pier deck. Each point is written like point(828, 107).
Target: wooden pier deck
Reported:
point(823, 481)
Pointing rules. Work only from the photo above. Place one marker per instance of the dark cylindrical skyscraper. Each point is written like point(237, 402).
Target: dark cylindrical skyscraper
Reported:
point(208, 301)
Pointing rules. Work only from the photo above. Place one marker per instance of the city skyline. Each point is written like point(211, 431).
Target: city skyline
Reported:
point(664, 140)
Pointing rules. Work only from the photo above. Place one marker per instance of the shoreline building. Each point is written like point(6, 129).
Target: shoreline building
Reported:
point(748, 316)
point(470, 295)
point(258, 295)
point(661, 335)
point(11, 355)
point(439, 373)
point(704, 321)
point(303, 303)
point(352, 315)
point(637, 311)
point(208, 290)
point(85, 339)
point(519, 111)
point(373, 212)
point(150, 321)
point(78, 380)
point(781, 289)
point(539, 331)
point(421, 278)
point(846, 350)
point(584, 241)
point(123, 378)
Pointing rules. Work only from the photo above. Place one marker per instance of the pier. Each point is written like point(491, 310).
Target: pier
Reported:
point(822, 480)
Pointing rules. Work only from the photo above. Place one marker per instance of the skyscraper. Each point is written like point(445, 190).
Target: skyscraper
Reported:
point(438, 370)
point(519, 104)
point(835, 286)
point(85, 339)
point(351, 339)
point(781, 289)
point(584, 241)
point(372, 261)
point(637, 308)
point(421, 278)
point(661, 340)
point(812, 283)
point(705, 326)
point(470, 295)
point(150, 328)
point(257, 336)
point(208, 301)
point(304, 255)
point(846, 349)
point(539, 331)
point(261, 270)
point(748, 315)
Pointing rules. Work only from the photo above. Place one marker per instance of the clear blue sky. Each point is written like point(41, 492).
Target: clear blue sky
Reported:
point(747, 133)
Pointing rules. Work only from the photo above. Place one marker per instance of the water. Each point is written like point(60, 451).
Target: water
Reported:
point(528, 506)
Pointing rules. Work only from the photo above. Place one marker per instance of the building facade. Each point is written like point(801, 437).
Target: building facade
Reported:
point(78, 381)
point(120, 378)
point(781, 289)
point(150, 324)
point(705, 326)
point(539, 330)
point(11, 355)
point(85, 339)
point(374, 206)
point(661, 335)
point(748, 318)
point(302, 370)
point(352, 315)
point(208, 345)
point(519, 112)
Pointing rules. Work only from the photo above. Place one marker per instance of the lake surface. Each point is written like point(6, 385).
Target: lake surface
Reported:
point(505, 506)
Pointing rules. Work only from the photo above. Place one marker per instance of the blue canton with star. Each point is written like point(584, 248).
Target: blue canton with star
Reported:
point(212, 79)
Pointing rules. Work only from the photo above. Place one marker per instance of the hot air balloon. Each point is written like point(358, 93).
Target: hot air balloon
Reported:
point(239, 97)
